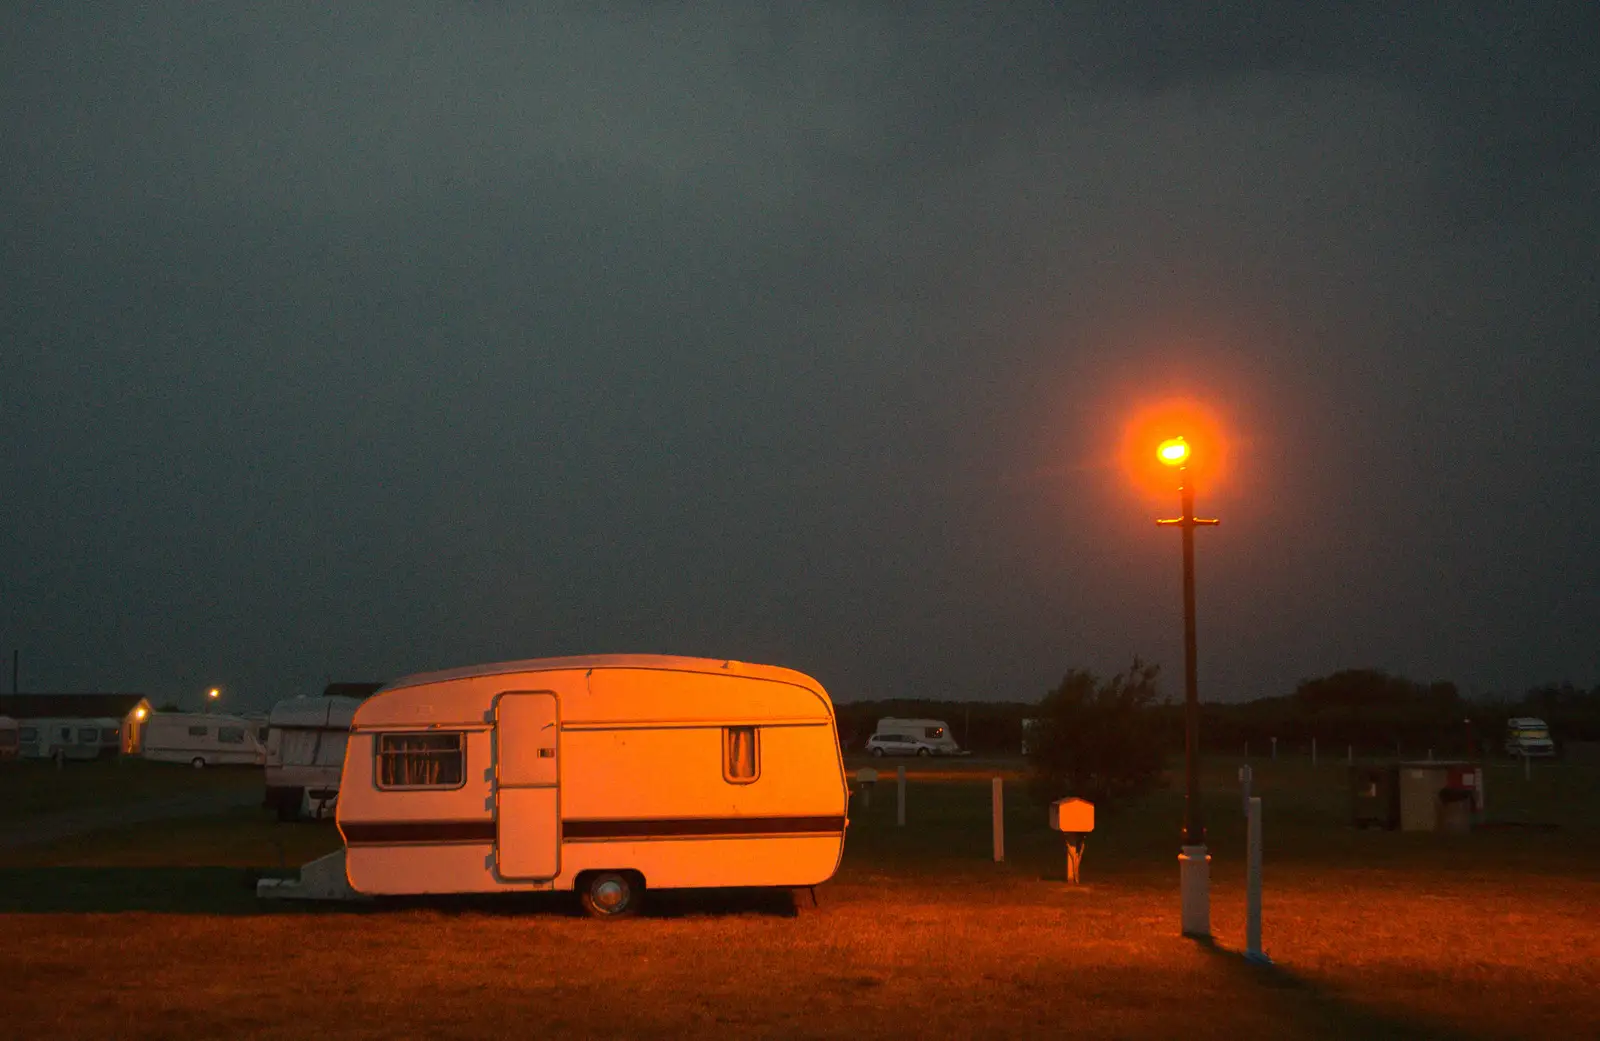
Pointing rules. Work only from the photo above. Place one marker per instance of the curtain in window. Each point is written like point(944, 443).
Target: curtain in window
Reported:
point(419, 760)
point(741, 753)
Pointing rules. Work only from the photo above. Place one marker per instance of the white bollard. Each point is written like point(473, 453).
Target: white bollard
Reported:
point(900, 803)
point(999, 799)
point(1252, 926)
point(1274, 749)
point(1430, 755)
point(1245, 777)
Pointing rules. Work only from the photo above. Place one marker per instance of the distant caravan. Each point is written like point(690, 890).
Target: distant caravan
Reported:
point(305, 754)
point(204, 739)
point(605, 775)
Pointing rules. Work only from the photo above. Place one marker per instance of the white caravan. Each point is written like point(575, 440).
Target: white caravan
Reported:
point(922, 736)
point(305, 753)
point(1528, 737)
point(69, 738)
point(604, 775)
point(203, 739)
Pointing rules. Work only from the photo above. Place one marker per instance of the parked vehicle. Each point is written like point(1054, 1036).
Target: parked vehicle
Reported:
point(1528, 737)
point(204, 739)
point(10, 740)
point(604, 775)
point(305, 754)
point(75, 739)
point(912, 737)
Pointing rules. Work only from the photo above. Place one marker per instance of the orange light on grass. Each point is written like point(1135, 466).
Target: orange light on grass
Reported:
point(1173, 452)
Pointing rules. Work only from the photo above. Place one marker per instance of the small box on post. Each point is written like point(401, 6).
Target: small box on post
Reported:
point(865, 779)
point(1074, 818)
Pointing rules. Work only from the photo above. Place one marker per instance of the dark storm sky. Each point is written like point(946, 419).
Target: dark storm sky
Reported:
point(343, 345)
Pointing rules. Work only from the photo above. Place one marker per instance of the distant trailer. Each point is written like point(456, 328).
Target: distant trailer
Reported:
point(306, 739)
point(75, 739)
point(203, 739)
point(604, 775)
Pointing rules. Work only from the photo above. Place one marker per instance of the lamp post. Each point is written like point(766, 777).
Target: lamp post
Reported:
point(211, 696)
point(1194, 863)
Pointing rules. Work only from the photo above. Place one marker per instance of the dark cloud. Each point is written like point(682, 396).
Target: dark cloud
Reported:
point(342, 345)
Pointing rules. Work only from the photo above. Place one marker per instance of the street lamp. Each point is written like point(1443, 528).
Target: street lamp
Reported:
point(211, 696)
point(1194, 863)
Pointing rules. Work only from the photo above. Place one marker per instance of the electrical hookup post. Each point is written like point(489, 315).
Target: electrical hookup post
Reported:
point(1074, 818)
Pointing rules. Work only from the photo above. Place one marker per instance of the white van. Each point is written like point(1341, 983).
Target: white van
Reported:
point(1528, 737)
point(305, 753)
point(203, 739)
point(604, 775)
point(912, 737)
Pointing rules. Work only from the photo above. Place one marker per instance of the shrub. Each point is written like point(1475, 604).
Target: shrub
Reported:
point(1098, 739)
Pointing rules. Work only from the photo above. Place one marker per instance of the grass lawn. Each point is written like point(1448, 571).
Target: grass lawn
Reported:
point(153, 932)
point(29, 788)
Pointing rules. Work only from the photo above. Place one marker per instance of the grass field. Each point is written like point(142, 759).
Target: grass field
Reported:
point(154, 932)
point(29, 789)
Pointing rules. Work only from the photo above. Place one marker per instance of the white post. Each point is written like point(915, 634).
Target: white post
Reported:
point(1430, 755)
point(1313, 751)
point(999, 799)
point(1245, 776)
point(1252, 927)
point(1274, 749)
point(900, 805)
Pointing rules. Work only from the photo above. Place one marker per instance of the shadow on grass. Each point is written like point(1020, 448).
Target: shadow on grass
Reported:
point(232, 891)
point(1307, 1006)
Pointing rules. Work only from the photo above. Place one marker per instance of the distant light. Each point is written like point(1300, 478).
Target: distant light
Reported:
point(213, 693)
point(1173, 451)
point(138, 713)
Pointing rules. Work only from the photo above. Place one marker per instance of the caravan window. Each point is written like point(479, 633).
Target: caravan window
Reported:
point(64, 735)
point(740, 762)
point(88, 736)
point(431, 760)
point(933, 733)
point(231, 735)
point(108, 734)
point(29, 733)
point(197, 731)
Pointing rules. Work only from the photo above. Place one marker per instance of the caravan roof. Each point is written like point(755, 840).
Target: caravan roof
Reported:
point(318, 712)
point(461, 695)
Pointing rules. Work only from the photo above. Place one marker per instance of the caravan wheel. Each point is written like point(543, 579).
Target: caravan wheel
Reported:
point(198, 763)
point(611, 894)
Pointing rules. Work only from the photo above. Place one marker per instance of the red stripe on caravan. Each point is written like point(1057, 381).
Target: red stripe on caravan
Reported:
point(699, 827)
point(396, 833)
point(390, 833)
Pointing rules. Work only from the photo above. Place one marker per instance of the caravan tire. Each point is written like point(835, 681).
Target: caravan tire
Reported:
point(923, 752)
point(198, 763)
point(611, 894)
point(877, 753)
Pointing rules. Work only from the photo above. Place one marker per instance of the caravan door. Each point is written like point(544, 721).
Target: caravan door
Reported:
point(527, 803)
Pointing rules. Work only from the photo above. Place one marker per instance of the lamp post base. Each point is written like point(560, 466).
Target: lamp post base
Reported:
point(1194, 880)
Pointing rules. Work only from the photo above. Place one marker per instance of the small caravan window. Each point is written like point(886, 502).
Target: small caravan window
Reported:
point(65, 735)
point(231, 735)
point(88, 736)
point(739, 762)
point(108, 734)
point(197, 731)
point(934, 733)
point(29, 733)
point(430, 760)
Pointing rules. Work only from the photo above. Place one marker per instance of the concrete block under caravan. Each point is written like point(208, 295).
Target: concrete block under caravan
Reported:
point(606, 775)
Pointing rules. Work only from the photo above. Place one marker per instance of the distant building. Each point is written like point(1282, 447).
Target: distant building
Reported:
point(78, 726)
